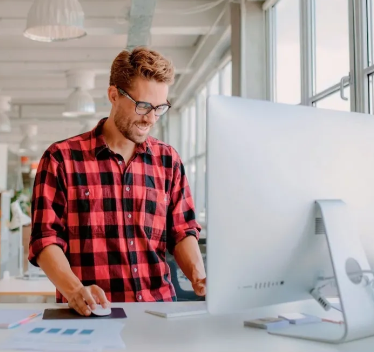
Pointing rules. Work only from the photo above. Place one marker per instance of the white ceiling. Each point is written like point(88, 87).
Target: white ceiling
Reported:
point(34, 73)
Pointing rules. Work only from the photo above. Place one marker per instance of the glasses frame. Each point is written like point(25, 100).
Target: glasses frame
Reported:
point(127, 95)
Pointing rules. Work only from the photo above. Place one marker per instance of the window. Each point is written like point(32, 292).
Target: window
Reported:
point(201, 121)
point(193, 132)
point(331, 42)
point(287, 52)
point(226, 79)
point(365, 77)
point(213, 85)
point(185, 134)
point(335, 102)
point(309, 52)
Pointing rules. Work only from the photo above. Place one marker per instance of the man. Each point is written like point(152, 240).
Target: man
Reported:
point(108, 203)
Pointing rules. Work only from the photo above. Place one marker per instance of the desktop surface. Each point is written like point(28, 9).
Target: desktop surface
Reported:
point(145, 332)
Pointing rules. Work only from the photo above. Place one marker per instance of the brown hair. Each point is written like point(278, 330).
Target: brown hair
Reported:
point(141, 62)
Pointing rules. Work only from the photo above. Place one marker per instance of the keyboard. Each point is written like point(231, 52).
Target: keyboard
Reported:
point(172, 310)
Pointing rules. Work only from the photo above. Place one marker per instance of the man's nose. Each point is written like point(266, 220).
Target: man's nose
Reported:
point(152, 118)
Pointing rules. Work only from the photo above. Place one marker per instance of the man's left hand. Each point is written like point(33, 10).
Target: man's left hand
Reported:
point(199, 286)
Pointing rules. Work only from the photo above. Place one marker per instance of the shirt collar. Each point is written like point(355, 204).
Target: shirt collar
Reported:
point(98, 143)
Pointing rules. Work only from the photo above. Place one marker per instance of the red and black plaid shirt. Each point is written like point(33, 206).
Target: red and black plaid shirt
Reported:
point(113, 221)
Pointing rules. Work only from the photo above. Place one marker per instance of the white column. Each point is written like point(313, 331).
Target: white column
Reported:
point(3, 166)
point(248, 48)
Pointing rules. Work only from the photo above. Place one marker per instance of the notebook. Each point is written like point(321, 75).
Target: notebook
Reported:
point(11, 318)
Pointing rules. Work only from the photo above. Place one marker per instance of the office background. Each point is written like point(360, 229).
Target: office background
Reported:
point(311, 52)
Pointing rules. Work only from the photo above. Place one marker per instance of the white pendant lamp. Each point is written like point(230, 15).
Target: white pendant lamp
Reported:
point(29, 144)
point(5, 125)
point(80, 103)
point(55, 20)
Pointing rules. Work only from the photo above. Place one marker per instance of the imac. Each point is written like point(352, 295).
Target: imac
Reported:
point(290, 199)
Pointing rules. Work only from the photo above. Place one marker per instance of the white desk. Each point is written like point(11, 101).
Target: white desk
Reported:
point(205, 333)
point(13, 286)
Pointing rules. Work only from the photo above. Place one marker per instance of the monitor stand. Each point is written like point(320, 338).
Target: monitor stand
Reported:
point(356, 298)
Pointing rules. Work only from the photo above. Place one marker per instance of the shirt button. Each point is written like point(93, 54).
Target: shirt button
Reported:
point(87, 193)
point(120, 162)
point(140, 297)
point(131, 243)
point(129, 216)
point(135, 270)
point(127, 189)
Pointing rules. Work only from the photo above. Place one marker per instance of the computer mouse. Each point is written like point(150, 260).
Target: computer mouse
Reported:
point(100, 311)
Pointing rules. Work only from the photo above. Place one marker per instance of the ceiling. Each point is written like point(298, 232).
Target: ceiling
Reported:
point(33, 73)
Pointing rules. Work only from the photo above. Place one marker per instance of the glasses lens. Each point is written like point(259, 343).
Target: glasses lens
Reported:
point(162, 109)
point(143, 108)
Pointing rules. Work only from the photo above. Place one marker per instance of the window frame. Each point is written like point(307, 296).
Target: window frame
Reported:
point(357, 82)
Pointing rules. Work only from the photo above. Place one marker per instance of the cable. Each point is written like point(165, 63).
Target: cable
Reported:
point(354, 273)
point(193, 10)
point(339, 310)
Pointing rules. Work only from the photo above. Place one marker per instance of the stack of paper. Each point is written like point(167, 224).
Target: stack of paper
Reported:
point(78, 335)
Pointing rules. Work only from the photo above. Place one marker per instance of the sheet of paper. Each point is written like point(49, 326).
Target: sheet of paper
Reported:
point(10, 317)
point(57, 335)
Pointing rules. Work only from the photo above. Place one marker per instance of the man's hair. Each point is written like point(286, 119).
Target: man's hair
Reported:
point(141, 62)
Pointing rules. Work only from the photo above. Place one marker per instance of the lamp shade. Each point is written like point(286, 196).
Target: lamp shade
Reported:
point(5, 125)
point(79, 103)
point(55, 20)
point(29, 144)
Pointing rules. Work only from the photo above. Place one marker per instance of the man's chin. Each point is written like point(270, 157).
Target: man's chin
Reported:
point(138, 139)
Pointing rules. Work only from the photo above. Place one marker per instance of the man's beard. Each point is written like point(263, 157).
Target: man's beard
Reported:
point(128, 128)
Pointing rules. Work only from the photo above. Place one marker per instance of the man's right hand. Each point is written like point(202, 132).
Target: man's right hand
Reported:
point(85, 299)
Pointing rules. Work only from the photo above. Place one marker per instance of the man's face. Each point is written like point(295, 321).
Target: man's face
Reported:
point(133, 126)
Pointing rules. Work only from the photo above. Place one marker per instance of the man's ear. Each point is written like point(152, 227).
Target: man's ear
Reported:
point(112, 94)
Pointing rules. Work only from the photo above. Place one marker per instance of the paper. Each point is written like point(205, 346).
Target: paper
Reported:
point(79, 335)
point(292, 316)
point(10, 318)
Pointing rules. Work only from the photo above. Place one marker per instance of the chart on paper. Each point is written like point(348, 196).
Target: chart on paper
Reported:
point(67, 336)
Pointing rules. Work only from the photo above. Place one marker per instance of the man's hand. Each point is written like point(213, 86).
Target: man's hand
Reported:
point(199, 286)
point(85, 299)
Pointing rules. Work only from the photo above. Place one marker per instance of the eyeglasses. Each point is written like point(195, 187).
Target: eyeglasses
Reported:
point(144, 108)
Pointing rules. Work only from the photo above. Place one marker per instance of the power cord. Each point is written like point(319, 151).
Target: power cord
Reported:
point(324, 303)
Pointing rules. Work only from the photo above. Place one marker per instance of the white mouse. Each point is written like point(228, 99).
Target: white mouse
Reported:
point(100, 311)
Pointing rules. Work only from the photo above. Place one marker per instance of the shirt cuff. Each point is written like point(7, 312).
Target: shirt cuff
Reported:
point(39, 244)
point(181, 235)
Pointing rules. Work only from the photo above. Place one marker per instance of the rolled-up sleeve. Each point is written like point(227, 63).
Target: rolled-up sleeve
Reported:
point(181, 214)
point(48, 207)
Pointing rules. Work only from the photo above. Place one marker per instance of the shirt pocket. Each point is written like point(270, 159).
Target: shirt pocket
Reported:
point(155, 217)
point(86, 210)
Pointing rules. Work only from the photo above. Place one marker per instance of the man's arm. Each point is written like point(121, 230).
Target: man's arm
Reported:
point(54, 263)
point(183, 231)
point(188, 256)
point(49, 239)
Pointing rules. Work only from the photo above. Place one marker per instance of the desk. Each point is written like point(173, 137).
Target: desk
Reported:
point(205, 333)
point(13, 286)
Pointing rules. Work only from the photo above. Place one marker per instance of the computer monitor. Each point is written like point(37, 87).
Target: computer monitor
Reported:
point(290, 198)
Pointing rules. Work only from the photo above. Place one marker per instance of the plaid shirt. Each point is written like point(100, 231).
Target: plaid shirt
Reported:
point(113, 221)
